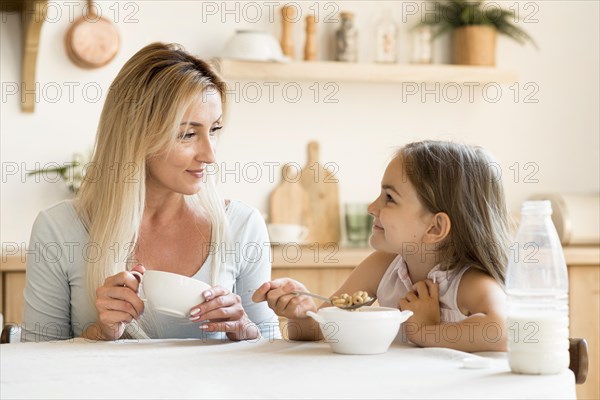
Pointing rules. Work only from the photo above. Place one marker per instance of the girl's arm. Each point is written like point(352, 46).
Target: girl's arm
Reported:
point(479, 296)
point(366, 276)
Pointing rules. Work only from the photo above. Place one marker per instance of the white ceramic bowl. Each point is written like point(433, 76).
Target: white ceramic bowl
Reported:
point(254, 46)
point(287, 233)
point(368, 330)
point(171, 294)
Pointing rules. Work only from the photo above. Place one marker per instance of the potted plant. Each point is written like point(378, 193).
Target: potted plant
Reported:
point(474, 25)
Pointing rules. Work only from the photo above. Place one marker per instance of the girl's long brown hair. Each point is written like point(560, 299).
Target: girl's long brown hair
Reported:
point(463, 182)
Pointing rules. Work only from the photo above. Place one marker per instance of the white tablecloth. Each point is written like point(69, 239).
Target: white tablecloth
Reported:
point(263, 369)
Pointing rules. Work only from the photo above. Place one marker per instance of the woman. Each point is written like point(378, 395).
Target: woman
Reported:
point(148, 203)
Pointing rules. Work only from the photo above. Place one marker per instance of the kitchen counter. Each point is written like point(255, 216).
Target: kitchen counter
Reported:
point(333, 256)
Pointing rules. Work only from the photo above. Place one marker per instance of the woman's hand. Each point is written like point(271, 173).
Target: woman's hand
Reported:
point(278, 295)
point(118, 304)
point(222, 311)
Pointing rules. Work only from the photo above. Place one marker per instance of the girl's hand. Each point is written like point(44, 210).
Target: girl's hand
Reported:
point(222, 311)
point(424, 302)
point(278, 295)
point(118, 303)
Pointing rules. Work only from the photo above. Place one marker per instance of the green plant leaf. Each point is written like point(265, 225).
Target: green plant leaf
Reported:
point(60, 170)
point(452, 14)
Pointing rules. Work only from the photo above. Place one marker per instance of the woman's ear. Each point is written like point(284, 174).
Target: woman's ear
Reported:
point(438, 229)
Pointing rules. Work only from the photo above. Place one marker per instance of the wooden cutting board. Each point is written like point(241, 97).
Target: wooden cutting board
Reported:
point(289, 202)
point(322, 187)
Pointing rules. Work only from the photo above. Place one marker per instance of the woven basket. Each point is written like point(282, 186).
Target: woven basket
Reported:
point(475, 45)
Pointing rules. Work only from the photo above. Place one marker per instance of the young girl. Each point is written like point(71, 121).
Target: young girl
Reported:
point(441, 236)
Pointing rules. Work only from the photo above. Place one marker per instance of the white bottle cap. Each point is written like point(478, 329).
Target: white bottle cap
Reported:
point(536, 207)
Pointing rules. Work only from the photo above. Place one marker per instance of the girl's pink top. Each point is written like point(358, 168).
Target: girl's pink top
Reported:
point(396, 283)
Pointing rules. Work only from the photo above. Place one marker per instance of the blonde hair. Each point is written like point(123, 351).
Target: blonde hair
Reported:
point(142, 112)
point(462, 181)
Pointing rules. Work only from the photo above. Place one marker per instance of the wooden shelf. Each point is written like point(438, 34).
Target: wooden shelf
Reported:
point(33, 15)
point(363, 73)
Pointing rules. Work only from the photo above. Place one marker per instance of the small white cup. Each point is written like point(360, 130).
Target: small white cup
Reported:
point(287, 233)
point(169, 293)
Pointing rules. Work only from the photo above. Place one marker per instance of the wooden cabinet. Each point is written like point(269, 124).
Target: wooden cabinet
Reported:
point(12, 283)
point(584, 310)
point(323, 270)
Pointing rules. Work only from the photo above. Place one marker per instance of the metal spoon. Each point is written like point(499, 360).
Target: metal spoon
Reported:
point(328, 300)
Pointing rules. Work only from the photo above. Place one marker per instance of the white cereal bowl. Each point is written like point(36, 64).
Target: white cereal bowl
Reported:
point(287, 233)
point(368, 330)
point(254, 46)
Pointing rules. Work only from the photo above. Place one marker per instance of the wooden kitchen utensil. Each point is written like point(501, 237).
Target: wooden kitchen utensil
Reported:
point(288, 16)
point(310, 47)
point(92, 41)
point(289, 202)
point(322, 187)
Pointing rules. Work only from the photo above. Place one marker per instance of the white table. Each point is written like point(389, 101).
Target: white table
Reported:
point(263, 369)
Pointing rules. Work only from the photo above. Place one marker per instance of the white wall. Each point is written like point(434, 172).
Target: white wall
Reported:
point(559, 133)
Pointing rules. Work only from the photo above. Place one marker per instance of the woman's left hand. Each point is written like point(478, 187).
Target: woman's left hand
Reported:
point(222, 311)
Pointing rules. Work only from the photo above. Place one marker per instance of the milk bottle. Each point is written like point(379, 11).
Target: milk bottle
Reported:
point(537, 288)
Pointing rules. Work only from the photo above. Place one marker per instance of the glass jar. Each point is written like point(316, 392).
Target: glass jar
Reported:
point(422, 47)
point(386, 39)
point(347, 39)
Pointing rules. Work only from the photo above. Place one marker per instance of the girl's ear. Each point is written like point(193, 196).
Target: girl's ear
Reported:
point(439, 228)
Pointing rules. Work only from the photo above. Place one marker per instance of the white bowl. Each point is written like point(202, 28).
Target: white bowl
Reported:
point(368, 330)
point(171, 294)
point(287, 233)
point(254, 46)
